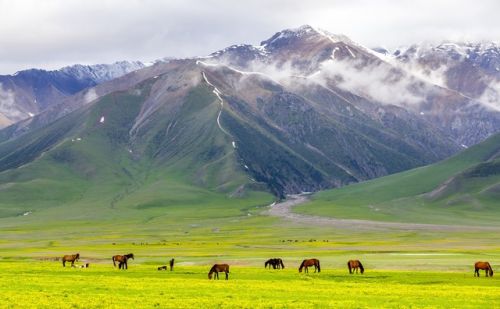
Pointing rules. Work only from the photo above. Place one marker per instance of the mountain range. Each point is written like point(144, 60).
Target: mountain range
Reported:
point(30, 92)
point(305, 110)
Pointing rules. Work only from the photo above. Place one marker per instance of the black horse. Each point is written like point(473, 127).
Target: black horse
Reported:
point(275, 263)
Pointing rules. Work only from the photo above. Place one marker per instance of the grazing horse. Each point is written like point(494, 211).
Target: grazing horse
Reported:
point(483, 266)
point(217, 268)
point(275, 263)
point(122, 260)
point(171, 264)
point(164, 267)
point(311, 262)
point(86, 265)
point(353, 265)
point(70, 258)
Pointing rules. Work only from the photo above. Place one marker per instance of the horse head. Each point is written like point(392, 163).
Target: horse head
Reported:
point(77, 256)
point(302, 265)
point(130, 256)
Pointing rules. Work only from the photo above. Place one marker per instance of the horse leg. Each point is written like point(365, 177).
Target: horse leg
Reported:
point(476, 273)
point(64, 263)
point(227, 275)
point(486, 272)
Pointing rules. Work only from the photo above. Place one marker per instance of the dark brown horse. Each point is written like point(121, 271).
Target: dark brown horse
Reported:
point(70, 258)
point(171, 263)
point(307, 263)
point(353, 265)
point(164, 267)
point(275, 263)
point(483, 266)
point(122, 260)
point(217, 268)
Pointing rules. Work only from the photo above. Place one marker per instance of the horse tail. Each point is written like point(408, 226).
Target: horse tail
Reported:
point(113, 258)
point(319, 267)
point(227, 268)
point(361, 267)
point(282, 265)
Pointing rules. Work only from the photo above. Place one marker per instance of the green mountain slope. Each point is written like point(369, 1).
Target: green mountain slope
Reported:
point(461, 189)
point(89, 164)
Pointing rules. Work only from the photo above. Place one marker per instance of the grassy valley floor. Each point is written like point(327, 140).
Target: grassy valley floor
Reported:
point(47, 284)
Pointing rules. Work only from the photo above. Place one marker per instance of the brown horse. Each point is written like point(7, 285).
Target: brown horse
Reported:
point(353, 265)
point(171, 263)
point(483, 266)
point(70, 258)
point(217, 268)
point(275, 263)
point(311, 262)
point(122, 260)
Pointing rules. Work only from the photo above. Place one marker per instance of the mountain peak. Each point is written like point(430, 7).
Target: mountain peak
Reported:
point(304, 32)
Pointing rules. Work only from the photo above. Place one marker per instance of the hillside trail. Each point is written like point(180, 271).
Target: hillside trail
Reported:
point(284, 210)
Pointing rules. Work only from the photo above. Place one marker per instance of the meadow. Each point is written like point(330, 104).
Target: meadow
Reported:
point(158, 218)
point(404, 269)
point(46, 284)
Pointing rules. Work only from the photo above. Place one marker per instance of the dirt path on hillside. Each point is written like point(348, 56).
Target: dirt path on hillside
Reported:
point(284, 210)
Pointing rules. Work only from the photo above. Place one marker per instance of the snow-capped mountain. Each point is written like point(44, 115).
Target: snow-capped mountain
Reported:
point(472, 69)
point(29, 92)
point(303, 111)
point(452, 86)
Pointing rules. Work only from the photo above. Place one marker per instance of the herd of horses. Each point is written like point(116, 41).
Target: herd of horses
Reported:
point(275, 263)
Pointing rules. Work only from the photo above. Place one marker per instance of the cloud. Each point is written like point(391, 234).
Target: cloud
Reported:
point(54, 33)
point(379, 82)
point(90, 95)
point(491, 96)
point(8, 104)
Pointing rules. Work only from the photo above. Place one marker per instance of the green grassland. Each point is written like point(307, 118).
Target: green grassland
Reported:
point(470, 194)
point(47, 284)
point(180, 191)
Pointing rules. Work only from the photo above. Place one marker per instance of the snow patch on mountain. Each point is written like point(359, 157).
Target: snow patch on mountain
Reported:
point(103, 72)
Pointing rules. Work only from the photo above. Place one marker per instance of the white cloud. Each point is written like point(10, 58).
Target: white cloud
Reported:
point(379, 82)
point(8, 104)
point(90, 95)
point(491, 96)
point(53, 33)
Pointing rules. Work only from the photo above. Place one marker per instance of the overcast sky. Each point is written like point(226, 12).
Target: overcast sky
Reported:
point(53, 33)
